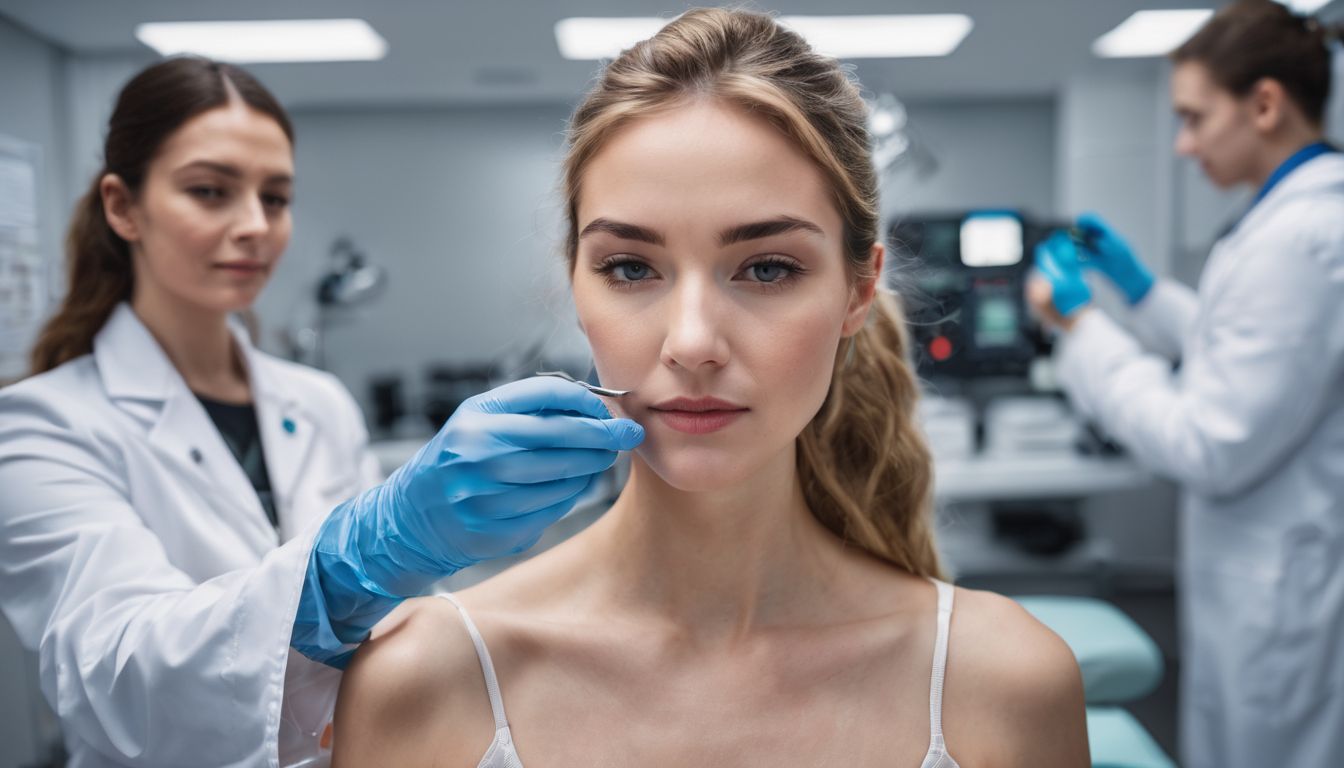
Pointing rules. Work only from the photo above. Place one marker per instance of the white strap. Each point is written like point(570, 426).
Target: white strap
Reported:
point(945, 592)
point(487, 666)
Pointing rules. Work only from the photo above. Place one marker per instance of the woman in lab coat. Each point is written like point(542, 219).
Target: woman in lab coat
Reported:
point(1252, 424)
point(180, 512)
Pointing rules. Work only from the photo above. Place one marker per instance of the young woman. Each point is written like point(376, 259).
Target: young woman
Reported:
point(1253, 425)
point(764, 591)
point(167, 530)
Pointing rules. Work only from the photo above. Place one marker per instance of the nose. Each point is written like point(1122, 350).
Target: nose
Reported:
point(695, 337)
point(252, 220)
point(1185, 143)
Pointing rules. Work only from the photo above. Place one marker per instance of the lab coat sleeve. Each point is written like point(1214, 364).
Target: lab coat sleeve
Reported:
point(1164, 317)
point(149, 667)
point(1269, 357)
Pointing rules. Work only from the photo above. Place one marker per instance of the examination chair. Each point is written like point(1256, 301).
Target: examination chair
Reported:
point(1120, 663)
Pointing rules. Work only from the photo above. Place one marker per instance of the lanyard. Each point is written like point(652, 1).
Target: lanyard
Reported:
point(1301, 156)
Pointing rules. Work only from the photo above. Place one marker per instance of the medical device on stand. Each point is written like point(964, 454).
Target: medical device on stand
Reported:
point(350, 280)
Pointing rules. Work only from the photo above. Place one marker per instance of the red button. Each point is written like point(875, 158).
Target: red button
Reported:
point(940, 348)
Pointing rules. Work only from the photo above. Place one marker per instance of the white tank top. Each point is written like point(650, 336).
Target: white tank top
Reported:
point(503, 754)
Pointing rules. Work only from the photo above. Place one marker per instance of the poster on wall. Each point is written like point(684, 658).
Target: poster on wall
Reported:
point(23, 272)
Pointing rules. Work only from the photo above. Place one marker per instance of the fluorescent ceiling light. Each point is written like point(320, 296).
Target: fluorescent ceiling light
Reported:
point(267, 41)
point(585, 38)
point(1306, 7)
point(1150, 33)
point(844, 37)
point(882, 37)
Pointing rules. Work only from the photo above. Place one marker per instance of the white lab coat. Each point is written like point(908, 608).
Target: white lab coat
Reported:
point(136, 558)
point(1252, 426)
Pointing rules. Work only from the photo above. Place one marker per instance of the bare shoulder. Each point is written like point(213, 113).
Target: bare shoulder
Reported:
point(1014, 693)
point(414, 693)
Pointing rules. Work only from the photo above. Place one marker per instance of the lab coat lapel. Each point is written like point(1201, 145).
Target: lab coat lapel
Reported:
point(287, 429)
point(1317, 175)
point(140, 379)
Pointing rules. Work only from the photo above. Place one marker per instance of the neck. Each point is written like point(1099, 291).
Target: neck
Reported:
point(1281, 147)
point(197, 341)
point(718, 564)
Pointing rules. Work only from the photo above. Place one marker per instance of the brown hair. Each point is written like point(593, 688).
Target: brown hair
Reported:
point(865, 470)
point(1250, 40)
point(154, 104)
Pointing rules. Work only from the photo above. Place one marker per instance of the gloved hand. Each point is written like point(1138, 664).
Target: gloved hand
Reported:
point(1108, 253)
point(1057, 261)
point(506, 465)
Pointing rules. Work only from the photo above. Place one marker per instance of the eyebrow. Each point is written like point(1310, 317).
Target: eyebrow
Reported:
point(622, 230)
point(232, 172)
point(759, 229)
point(742, 232)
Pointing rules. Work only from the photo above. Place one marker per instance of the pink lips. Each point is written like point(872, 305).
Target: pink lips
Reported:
point(697, 416)
point(243, 267)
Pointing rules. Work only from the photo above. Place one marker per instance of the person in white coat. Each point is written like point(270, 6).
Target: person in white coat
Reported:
point(1252, 423)
point(193, 535)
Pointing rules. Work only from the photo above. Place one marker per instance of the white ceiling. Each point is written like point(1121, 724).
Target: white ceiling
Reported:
point(444, 52)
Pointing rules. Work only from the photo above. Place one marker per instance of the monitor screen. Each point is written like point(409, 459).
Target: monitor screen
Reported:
point(991, 240)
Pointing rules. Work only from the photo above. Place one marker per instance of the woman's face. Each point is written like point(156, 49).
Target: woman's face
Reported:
point(212, 218)
point(1217, 128)
point(710, 279)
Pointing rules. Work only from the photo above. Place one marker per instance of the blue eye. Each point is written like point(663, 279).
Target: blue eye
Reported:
point(630, 271)
point(208, 194)
point(774, 272)
point(769, 272)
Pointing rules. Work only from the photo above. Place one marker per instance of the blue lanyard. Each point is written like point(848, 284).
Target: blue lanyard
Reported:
point(1301, 156)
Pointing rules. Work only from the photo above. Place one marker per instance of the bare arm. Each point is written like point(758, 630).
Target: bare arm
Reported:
point(1014, 690)
point(413, 694)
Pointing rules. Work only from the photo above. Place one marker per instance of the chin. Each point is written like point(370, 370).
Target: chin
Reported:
point(698, 469)
point(235, 301)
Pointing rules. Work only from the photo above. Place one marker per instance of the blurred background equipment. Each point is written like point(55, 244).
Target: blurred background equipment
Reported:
point(350, 280)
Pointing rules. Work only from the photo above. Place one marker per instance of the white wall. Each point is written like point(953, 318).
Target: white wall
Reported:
point(89, 86)
point(989, 154)
point(30, 110)
point(460, 206)
point(30, 72)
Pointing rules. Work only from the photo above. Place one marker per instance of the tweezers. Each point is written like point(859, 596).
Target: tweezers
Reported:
point(596, 390)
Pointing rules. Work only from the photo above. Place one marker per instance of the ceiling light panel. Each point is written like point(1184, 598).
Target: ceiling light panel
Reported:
point(845, 37)
point(253, 42)
point(1150, 33)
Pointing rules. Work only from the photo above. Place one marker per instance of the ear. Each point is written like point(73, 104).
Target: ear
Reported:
point(1268, 101)
point(117, 205)
point(863, 293)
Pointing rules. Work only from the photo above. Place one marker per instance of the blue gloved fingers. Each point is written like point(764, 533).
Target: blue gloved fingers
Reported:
point(1113, 257)
point(506, 465)
point(541, 393)
point(1093, 223)
point(530, 527)
point(546, 464)
point(558, 430)
point(1063, 252)
point(520, 500)
point(1056, 260)
point(512, 535)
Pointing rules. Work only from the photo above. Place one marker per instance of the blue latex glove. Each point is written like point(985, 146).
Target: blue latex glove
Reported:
point(1109, 254)
point(505, 466)
point(1058, 262)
